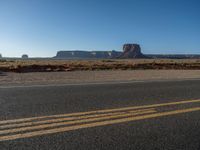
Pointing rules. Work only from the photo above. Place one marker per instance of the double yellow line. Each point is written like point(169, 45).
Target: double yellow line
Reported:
point(36, 126)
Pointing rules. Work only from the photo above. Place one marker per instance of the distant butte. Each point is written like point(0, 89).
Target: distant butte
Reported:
point(130, 51)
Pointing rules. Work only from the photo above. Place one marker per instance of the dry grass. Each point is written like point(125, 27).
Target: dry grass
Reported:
point(108, 64)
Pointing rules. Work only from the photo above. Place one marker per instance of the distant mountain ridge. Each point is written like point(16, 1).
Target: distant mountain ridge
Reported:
point(130, 51)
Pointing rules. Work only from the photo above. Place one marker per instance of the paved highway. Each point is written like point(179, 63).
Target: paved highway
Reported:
point(153, 115)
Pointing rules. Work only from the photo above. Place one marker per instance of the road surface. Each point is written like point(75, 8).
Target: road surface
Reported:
point(153, 115)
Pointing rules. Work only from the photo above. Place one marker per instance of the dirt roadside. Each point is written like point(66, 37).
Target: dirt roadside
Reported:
point(94, 76)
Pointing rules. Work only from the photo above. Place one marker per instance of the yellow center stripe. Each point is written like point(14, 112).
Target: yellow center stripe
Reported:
point(36, 122)
point(95, 124)
point(73, 122)
point(36, 126)
point(97, 111)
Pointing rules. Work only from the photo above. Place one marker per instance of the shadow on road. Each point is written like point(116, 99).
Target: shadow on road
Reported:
point(2, 73)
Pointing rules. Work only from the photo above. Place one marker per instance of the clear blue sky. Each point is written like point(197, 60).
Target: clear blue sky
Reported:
point(42, 27)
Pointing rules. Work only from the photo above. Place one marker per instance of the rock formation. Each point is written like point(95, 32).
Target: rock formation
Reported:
point(77, 54)
point(24, 56)
point(129, 51)
point(132, 51)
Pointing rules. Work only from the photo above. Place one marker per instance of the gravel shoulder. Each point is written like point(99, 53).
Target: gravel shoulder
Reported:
point(94, 76)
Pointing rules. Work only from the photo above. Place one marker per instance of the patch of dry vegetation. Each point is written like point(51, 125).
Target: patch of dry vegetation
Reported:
point(22, 66)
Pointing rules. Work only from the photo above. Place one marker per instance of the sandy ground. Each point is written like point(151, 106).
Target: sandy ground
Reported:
point(95, 76)
point(42, 65)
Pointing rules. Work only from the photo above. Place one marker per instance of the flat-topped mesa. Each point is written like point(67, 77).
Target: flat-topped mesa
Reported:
point(129, 51)
point(81, 54)
point(132, 51)
point(73, 54)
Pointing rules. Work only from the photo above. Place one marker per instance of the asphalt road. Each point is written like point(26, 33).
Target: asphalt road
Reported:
point(154, 115)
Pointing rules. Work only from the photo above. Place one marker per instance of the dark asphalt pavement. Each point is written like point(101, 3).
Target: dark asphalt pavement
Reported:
point(174, 132)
